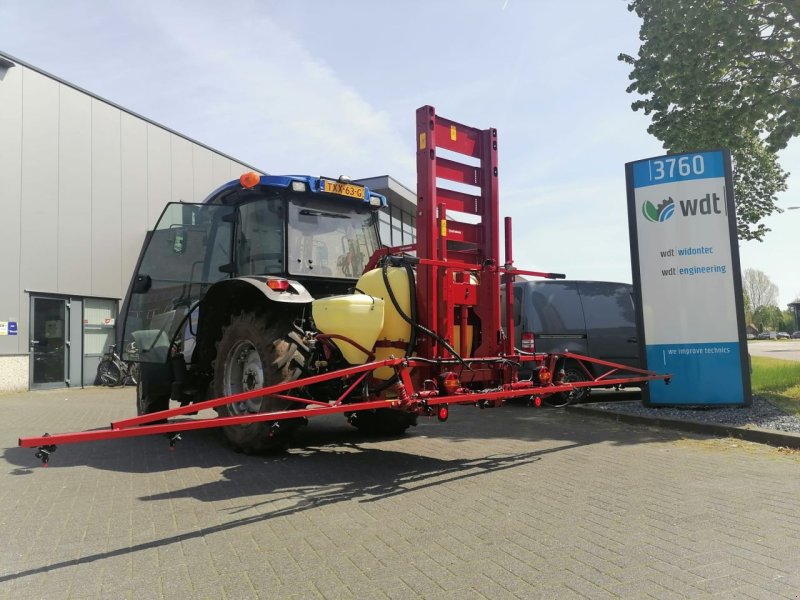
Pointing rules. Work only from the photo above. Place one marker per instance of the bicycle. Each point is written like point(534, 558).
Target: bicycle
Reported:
point(113, 371)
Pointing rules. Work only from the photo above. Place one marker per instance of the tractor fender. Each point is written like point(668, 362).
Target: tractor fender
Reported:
point(244, 294)
point(295, 294)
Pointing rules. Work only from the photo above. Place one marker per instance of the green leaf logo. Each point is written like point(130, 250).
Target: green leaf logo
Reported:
point(660, 213)
point(650, 212)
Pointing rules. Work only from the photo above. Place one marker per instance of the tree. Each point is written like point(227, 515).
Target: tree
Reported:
point(787, 321)
point(759, 290)
point(723, 73)
point(768, 317)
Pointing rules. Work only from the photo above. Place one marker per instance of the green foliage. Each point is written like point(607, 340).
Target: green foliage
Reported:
point(787, 321)
point(768, 317)
point(723, 73)
point(777, 380)
point(773, 318)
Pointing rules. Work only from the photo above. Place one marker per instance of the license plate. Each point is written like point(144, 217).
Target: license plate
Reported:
point(350, 190)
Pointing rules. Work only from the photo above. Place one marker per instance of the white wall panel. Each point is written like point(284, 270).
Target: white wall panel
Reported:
point(220, 171)
point(203, 182)
point(182, 169)
point(159, 172)
point(10, 191)
point(74, 254)
point(81, 182)
point(237, 169)
point(134, 209)
point(39, 262)
point(106, 201)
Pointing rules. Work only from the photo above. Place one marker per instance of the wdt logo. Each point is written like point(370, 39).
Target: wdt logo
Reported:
point(660, 213)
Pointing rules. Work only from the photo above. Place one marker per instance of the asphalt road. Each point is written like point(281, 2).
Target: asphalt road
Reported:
point(783, 349)
point(503, 503)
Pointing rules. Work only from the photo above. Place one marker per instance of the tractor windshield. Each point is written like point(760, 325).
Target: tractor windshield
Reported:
point(330, 239)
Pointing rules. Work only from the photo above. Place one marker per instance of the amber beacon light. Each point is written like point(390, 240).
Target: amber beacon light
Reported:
point(250, 179)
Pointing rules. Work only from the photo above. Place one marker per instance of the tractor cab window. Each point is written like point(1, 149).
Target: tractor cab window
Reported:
point(330, 239)
point(259, 237)
point(185, 253)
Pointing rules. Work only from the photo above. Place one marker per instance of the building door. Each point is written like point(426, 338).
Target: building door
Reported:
point(49, 342)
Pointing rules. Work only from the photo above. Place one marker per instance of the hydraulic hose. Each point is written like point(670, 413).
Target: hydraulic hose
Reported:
point(412, 321)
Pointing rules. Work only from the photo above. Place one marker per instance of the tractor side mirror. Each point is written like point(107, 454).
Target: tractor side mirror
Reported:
point(142, 284)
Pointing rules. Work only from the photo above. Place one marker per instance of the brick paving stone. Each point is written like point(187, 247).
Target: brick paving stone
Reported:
point(511, 503)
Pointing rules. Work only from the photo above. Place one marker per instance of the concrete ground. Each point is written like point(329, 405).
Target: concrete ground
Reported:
point(504, 503)
point(783, 349)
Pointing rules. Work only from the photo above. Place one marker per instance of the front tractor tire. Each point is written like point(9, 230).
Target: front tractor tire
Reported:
point(150, 398)
point(251, 354)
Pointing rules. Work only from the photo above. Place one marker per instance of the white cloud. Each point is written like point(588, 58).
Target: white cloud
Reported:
point(576, 228)
point(278, 85)
point(282, 108)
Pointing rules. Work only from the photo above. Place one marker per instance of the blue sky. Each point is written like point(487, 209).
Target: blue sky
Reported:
point(331, 88)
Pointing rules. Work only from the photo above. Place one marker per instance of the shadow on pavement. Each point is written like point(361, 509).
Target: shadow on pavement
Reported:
point(205, 447)
point(330, 462)
point(315, 478)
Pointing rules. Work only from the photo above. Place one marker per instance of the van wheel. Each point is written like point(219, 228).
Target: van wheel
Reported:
point(572, 372)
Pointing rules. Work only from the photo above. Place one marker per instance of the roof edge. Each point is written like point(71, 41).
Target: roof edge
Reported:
point(4, 57)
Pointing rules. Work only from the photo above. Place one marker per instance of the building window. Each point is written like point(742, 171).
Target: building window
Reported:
point(99, 319)
point(385, 228)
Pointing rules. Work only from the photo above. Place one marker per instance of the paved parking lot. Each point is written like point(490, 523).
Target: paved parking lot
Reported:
point(505, 503)
point(783, 349)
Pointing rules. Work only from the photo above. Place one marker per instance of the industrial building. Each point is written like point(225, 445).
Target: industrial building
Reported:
point(81, 182)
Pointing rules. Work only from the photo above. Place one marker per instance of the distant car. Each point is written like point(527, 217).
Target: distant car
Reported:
point(796, 335)
point(764, 335)
point(751, 336)
point(782, 335)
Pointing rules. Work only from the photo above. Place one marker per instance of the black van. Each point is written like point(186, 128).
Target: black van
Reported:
point(594, 318)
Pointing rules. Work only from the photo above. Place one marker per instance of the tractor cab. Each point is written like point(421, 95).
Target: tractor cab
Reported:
point(307, 234)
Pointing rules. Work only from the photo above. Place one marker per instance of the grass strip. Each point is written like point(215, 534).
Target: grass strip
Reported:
point(778, 381)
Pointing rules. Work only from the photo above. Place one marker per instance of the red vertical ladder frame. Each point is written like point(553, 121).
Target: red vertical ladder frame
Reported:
point(444, 299)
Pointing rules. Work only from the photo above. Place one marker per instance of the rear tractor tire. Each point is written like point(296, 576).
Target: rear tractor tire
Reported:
point(253, 354)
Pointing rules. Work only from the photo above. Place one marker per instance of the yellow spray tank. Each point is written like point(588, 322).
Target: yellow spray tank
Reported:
point(370, 319)
point(358, 317)
point(396, 333)
point(464, 352)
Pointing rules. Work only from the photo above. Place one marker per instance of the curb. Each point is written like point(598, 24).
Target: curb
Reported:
point(756, 434)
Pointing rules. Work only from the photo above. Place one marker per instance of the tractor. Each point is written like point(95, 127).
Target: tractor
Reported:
point(274, 301)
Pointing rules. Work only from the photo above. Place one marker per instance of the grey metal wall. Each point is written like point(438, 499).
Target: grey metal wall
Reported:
point(81, 181)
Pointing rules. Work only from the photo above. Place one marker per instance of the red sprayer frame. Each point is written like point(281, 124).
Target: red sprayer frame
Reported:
point(458, 286)
point(421, 402)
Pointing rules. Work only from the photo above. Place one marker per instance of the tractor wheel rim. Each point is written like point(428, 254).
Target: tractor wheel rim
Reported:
point(244, 372)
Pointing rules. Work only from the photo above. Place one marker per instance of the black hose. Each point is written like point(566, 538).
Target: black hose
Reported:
point(412, 286)
point(413, 323)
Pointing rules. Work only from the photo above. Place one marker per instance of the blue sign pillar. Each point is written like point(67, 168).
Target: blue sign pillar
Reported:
point(687, 278)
